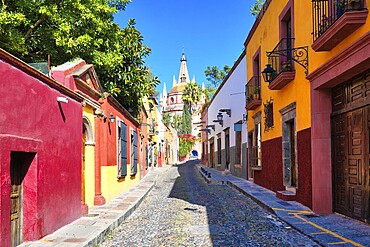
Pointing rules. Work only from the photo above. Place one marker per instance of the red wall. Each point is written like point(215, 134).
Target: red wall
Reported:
point(32, 121)
point(304, 191)
point(107, 141)
point(271, 175)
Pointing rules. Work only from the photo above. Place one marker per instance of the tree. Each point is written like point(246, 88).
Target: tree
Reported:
point(215, 75)
point(256, 7)
point(191, 96)
point(209, 91)
point(68, 29)
point(64, 29)
point(186, 122)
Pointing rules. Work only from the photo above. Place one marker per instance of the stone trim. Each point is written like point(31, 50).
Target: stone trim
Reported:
point(287, 109)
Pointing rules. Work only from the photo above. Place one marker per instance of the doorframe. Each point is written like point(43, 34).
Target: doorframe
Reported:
point(288, 114)
point(30, 209)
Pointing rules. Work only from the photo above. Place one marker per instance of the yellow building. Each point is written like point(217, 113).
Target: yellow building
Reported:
point(313, 55)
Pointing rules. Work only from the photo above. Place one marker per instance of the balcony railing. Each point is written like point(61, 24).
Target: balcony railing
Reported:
point(253, 93)
point(327, 12)
point(282, 59)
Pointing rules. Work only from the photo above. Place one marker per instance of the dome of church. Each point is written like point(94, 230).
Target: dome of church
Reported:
point(178, 88)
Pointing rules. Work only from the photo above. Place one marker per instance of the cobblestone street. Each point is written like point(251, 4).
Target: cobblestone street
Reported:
point(183, 210)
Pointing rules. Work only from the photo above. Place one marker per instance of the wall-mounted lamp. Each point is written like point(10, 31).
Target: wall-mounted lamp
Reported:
point(111, 118)
point(62, 99)
point(201, 122)
point(227, 111)
point(212, 126)
point(219, 119)
point(99, 112)
point(269, 73)
point(206, 130)
point(245, 116)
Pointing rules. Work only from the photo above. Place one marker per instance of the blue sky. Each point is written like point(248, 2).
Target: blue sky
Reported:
point(209, 32)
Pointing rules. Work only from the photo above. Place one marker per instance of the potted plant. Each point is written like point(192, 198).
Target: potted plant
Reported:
point(286, 65)
point(256, 94)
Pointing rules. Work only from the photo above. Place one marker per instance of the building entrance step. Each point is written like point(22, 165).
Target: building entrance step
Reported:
point(286, 195)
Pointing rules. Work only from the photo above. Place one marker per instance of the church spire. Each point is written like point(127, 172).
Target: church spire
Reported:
point(184, 74)
point(164, 92)
point(174, 81)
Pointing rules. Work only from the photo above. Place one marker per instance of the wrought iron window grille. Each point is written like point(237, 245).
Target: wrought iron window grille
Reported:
point(269, 115)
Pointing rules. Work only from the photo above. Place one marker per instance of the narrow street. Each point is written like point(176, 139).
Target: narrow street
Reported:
point(183, 210)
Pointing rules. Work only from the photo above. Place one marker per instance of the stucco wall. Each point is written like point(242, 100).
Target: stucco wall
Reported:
point(108, 156)
point(33, 121)
point(229, 96)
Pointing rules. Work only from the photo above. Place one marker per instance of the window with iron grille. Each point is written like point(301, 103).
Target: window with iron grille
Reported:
point(269, 115)
point(255, 151)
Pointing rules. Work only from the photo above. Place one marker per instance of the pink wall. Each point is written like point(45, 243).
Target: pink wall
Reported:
point(31, 120)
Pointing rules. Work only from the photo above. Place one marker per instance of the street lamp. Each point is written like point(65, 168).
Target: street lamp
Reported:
point(268, 73)
point(219, 119)
point(111, 118)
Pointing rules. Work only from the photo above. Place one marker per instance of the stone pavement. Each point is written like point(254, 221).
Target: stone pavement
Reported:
point(91, 230)
point(330, 230)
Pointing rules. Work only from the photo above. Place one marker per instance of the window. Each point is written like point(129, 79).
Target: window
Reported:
point(269, 115)
point(122, 149)
point(134, 153)
point(256, 152)
point(238, 147)
point(227, 148)
point(219, 149)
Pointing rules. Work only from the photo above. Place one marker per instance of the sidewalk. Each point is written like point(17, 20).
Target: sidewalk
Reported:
point(90, 230)
point(330, 230)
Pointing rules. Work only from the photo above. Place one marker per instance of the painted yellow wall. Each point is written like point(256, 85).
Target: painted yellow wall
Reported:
point(267, 37)
point(89, 171)
point(110, 187)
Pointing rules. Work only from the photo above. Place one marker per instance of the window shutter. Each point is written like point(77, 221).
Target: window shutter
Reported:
point(135, 153)
point(123, 149)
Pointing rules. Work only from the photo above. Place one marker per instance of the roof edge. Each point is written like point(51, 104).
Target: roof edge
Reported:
point(37, 74)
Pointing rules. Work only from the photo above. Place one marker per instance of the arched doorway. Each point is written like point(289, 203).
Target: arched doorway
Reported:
point(87, 162)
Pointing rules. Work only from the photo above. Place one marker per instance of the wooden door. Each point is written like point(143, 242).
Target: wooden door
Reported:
point(351, 163)
point(212, 151)
point(16, 200)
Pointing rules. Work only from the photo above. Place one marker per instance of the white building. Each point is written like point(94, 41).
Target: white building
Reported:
point(227, 140)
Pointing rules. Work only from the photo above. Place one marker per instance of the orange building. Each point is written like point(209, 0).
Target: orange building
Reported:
point(307, 134)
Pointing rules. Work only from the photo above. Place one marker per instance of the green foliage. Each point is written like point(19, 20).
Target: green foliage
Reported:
point(216, 75)
point(209, 91)
point(186, 120)
point(186, 143)
point(166, 118)
point(191, 93)
point(174, 120)
point(68, 29)
point(256, 7)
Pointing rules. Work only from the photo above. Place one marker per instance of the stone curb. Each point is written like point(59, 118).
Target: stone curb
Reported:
point(98, 239)
point(108, 218)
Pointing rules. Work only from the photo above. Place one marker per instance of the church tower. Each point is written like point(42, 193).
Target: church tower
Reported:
point(174, 103)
